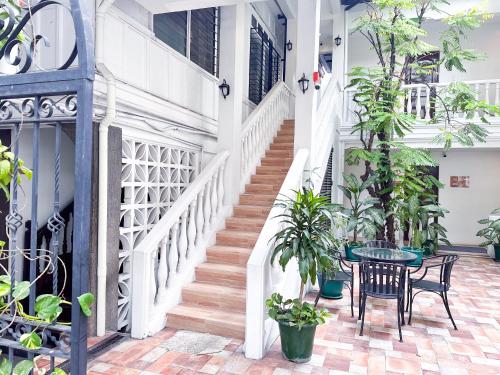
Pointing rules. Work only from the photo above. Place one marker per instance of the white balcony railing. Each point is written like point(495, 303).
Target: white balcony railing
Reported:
point(261, 126)
point(419, 98)
point(165, 259)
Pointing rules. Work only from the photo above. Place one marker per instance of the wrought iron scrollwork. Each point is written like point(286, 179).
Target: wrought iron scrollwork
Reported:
point(17, 49)
point(53, 107)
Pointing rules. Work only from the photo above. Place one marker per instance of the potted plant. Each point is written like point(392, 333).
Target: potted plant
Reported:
point(491, 233)
point(306, 238)
point(364, 216)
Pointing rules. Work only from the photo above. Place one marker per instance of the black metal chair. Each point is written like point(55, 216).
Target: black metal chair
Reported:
point(380, 244)
point(383, 280)
point(345, 274)
point(445, 264)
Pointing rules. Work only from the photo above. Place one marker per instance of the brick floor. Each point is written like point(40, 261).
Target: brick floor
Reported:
point(431, 345)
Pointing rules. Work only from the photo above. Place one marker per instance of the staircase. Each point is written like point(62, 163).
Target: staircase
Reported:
point(215, 303)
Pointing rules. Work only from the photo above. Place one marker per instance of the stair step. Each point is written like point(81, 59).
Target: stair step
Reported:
point(272, 170)
point(277, 161)
point(275, 180)
point(289, 122)
point(242, 210)
point(216, 322)
point(228, 255)
point(222, 274)
point(214, 296)
point(286, 131)
point(228, 237)
point(282, 146)
point(249, 224)
point(283, 139)
point(261, 188)
point(280, 153)
point(257, 199)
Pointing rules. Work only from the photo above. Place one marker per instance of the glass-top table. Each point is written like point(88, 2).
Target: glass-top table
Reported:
point(384, 255)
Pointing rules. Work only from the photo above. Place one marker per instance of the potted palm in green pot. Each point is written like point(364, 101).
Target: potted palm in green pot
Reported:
point(306, 238)
point(491, 233)
point(364, 217)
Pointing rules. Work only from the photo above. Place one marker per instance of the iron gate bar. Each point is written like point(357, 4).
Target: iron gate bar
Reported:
point(68, 80)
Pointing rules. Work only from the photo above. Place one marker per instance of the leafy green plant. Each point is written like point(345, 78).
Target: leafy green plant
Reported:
point(364, 215)
point(308, 235)
point(492, 231)
point(395, 31)
point(295, 312)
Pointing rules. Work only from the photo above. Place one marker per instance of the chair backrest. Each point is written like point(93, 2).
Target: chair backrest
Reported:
point(380, 244)
point(383, 279)
point(447, 263)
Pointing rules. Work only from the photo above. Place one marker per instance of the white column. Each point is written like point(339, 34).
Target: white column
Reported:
point(338, 52)
point(291, 56)
point(308, 21)
point(231, 68)
point(346, 47)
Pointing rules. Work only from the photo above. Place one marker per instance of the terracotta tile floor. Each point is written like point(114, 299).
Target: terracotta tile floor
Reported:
point(430, 346)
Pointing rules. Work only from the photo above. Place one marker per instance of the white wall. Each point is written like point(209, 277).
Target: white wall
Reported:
point(467, 206)
point(484, 40)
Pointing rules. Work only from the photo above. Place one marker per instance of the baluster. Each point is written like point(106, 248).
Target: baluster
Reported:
point(152, 287)
point(206, 207)
point(408, 102)
point(173, 254)
point(428, 103)
point(183, 241)
point(199, 218)
point(163, 273)
point(487, 92)
point(191, 232)
point(418, 108)
point(476, 89)
point(497, 93)
point(220, 188)
point(213, 200)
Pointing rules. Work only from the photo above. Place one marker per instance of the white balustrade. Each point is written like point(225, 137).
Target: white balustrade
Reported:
point(165, 259)
point(261, 126)
point(419, 98)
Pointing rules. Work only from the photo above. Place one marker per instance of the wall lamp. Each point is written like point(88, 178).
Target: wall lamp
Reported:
point(303, 83)
point(338, 41)
point(225, 89)
point(289, 45)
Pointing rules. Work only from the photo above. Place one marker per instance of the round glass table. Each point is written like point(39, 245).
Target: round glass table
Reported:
point(384, 255)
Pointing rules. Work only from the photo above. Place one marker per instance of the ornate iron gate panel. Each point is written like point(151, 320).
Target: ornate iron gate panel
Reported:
point(33, 98)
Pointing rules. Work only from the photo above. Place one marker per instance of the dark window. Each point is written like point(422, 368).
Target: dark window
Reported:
point(194, 34)
point(265, 64)
point(171, 28)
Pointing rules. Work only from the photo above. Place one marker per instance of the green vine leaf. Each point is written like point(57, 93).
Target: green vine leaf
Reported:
point(23, 368)
point(21, 290)
point(4, 285)
point(47, 307)
point(5, 367)
point(58, 371)
point(86, 300)
point(31, 340)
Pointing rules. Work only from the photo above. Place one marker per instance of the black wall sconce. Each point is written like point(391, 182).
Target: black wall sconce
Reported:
point(289, 45)
point(338, 41)
point(304, 83)
point(225, 89)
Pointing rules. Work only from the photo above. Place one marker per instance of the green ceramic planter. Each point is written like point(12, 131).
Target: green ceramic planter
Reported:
point(497, 252)
point(332, 288)
point(297, 345)
point(418, 252)
point(348, 252)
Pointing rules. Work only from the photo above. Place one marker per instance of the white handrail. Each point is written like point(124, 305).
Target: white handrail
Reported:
point(264, 279)
point(419, 98)
point(165, 259)
point(261, 126)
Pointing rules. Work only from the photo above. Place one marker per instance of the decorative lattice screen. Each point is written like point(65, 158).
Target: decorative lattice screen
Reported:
point(153, 177)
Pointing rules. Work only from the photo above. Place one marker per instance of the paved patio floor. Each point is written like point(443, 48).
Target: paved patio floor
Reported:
point(431, 345)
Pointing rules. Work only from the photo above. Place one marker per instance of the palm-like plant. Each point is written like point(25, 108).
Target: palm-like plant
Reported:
point(492, 232)
point(308, 235)
point(364, 216)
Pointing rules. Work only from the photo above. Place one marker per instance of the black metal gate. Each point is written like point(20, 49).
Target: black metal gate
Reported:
point(33, 99)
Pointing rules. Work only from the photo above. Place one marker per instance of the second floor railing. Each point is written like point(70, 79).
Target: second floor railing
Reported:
point(420, 99)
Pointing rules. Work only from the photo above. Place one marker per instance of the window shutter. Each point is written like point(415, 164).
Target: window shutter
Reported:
point(171, 28)
point(204, 30)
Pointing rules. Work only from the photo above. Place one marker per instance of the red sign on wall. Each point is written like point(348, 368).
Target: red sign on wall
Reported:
point(459, 181)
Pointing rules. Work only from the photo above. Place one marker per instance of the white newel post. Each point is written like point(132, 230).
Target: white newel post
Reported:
point(234, 51)
point(308, 21)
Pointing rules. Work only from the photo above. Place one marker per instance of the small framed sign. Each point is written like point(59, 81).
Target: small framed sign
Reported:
point(460, 182)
